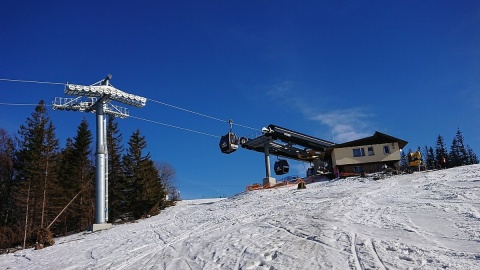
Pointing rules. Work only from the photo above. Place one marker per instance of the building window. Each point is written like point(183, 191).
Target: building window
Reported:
point(370, 151)
point(386, 149)
point(358, 152)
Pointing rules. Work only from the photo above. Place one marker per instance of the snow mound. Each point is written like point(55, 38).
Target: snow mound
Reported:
point(427, 220)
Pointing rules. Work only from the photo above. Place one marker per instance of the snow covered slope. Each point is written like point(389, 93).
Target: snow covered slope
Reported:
point(427, 220)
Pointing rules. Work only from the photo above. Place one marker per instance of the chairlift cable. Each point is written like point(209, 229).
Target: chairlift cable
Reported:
point(27, 81)
point(186, 110)
point(143, 119)
point(152, 100)
point(172, 126)
point(23, 104)
point(200, 114)
point(245, 126)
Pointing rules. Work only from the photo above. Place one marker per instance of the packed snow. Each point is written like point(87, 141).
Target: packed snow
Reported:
point(424, 220)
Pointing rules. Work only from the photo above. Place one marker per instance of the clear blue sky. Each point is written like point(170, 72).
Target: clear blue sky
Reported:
point(337, 70)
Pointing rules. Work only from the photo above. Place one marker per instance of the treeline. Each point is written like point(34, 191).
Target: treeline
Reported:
point(38, 180)
point(459, 154)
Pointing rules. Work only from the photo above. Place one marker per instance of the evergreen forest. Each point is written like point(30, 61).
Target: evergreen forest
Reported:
point(48, 191)
point(440, 157)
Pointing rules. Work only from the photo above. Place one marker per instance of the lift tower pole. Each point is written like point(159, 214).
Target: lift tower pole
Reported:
point(268, 180)
point(96, 98)
point(101, 208)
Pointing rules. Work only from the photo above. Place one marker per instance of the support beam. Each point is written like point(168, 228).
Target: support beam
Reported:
point(106, 165)
point(268, 180)
point(100, 165)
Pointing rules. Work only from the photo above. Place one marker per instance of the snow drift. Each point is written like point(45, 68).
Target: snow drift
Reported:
point(426, 220)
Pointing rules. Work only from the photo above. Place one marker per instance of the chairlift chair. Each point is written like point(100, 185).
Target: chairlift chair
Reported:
point(229, 142)
point(281, 167)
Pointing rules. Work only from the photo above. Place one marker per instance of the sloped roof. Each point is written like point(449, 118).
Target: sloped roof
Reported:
point(377, 138)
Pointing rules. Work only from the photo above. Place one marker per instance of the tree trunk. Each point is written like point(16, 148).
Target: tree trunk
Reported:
point(26, 216)
point(44, 193)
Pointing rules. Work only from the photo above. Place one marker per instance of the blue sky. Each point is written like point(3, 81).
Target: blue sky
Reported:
point(337, 70)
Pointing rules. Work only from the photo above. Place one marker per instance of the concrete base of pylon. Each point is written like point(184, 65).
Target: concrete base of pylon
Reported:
point(99, 227)
point(270, 181)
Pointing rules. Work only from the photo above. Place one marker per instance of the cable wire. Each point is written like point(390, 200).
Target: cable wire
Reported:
point(143, 119)
point(26, 81)
point(189, 111)
point(172, 126)
point(155, 101)
point(22, 104)
point(200, 114)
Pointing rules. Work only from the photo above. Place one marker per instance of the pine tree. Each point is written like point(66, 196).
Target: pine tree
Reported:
point(458, 153)
point(62, 225)
point(50, 152)
point(116, 200)
point(441, 153)
point(429, 157)
point(454, 156)
point(462, 151)
point(34, 167)
point(6, 177)
point(142, 184)
point(472, 157)
point(77, 173)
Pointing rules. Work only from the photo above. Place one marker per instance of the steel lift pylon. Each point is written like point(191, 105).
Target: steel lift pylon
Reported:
point(96, 98)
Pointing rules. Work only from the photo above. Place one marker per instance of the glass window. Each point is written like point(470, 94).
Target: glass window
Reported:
point(386, 149)
point(358, 152)
point(370, 151)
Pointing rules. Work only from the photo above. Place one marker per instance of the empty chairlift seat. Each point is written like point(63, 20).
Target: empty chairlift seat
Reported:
point(281, 167)
point(228, 143)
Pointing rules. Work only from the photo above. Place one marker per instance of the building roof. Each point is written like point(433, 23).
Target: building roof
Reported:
point(377, 138)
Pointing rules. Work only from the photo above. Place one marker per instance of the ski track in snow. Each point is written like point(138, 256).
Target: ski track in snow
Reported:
point(426, 220)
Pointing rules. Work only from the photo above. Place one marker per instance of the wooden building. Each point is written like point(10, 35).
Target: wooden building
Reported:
point(367, 155)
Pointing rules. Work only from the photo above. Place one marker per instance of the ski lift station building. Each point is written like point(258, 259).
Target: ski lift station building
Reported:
point(370, 154)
